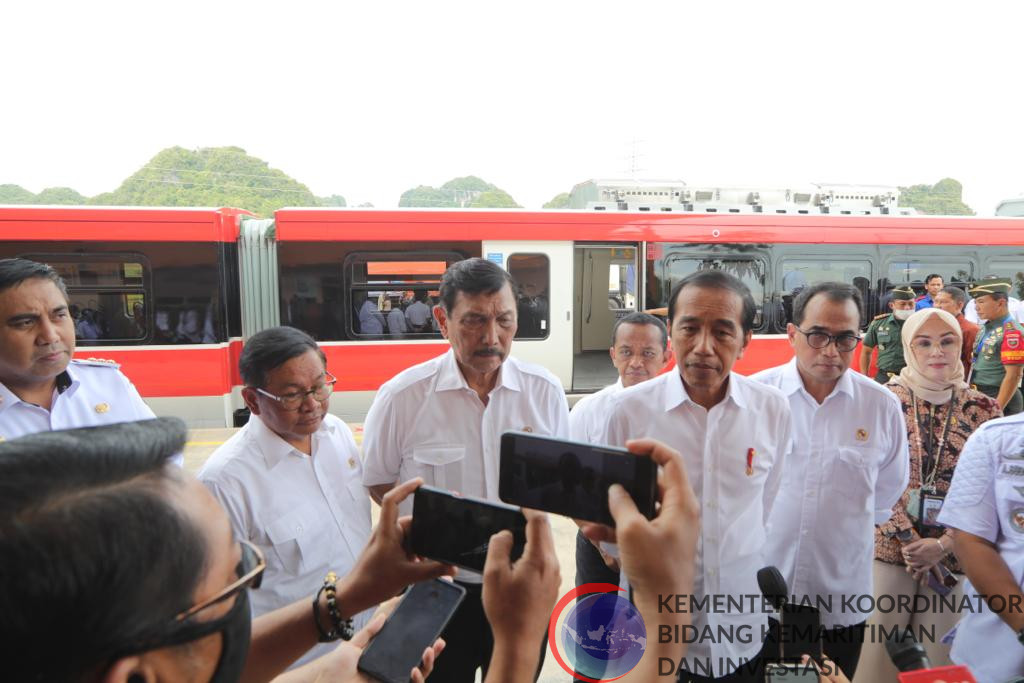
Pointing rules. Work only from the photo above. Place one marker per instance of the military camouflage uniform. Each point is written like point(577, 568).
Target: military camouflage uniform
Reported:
point(884, 333)
point(999, 343)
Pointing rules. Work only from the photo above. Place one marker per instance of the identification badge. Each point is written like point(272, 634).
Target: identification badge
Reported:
point(930, 506)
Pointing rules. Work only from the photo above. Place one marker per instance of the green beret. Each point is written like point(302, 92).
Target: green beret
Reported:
point(990, 285)
point(903, 293)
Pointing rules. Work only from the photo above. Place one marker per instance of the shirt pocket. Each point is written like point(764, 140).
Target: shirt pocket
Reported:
point(440, 466)
point(856, 470)
point(294, 538)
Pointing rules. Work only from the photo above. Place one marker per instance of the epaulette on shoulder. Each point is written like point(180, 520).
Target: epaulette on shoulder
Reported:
point(97, 362)
point(880, 316)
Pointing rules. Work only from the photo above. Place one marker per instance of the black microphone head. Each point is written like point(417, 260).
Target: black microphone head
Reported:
point(905, 652)
point(773, 586)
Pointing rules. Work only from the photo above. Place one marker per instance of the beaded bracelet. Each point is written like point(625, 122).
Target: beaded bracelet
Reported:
point(340, 628)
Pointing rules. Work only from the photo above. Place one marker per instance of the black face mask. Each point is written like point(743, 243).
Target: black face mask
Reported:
point(235, 637)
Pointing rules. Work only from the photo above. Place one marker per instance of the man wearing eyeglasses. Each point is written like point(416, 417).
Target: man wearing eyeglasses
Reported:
point(291, 479)
point(846, 469)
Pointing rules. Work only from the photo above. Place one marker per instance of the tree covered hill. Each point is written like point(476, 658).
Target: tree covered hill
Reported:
point(468, 192)
point(213, 176)
point(944, 198)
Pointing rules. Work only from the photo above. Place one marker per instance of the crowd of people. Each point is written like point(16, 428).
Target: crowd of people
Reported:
point(254, 570)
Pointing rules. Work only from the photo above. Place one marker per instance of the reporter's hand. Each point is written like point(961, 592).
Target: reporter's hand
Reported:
point(518, 597)
point(829, 673)
point(659, 555)
point(385, 567)
point(921, 556)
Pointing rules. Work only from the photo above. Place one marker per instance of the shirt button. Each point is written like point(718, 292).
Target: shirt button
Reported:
point(298, 529)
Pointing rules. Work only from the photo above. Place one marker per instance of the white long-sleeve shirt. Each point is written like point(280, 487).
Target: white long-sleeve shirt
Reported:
point(752, 423)
point(848, 466)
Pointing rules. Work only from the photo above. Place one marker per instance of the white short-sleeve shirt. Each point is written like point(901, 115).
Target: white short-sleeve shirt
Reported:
point(308, 514)
point(88, 394)
point(986, 498)
point(588, 419)
point(848, 466)
point(733, 455)
point(427, 422)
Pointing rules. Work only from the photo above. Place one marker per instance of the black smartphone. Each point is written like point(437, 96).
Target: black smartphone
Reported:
point(800, 633)
point(572, 479)
point(415, 624)
point(457, 530)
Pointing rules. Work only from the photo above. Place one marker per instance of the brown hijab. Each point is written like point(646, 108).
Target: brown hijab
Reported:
point(911, 376)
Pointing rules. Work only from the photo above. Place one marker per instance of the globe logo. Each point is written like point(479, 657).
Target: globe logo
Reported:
point(602, 636)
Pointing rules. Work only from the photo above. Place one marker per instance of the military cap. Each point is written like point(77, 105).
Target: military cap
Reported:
point(903, 293)
point(990, 285)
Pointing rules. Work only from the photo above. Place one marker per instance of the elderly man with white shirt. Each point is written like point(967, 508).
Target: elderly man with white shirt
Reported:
point(639, 351)
point(847, 468)
point(733, 434)
point(291, 479)
point(442, 420)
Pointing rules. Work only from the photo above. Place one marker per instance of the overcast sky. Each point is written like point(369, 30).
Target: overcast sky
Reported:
point(367, 99)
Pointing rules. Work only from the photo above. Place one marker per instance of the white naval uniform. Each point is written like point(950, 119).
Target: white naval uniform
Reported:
point(848, 466)
point(308, 514)
point(427, 422)
point(589, 417)
point(986, 498)
point(88, 394)
point(752, 420)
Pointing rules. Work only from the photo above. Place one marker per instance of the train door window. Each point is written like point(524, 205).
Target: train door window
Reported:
point(797, 273)
point(108, 295)
point(392, 295)
point(750, 271)
point(1013, 269)
point(532, 273)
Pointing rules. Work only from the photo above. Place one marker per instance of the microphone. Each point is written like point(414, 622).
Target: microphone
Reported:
point(909, 657)
point(905, 652)
point(799, 626)
point(773, 586)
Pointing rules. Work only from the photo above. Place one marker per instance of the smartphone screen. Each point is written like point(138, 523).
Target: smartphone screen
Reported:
point(572, 479)
point(414, 625)
point(449, 528)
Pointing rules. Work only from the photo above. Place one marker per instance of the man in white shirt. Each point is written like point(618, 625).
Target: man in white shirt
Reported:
point(848, 465)
point(639, 351)
point(291, 479)
point(418, 314)
point(41, 387)
point(442, 420)
point(733, 434)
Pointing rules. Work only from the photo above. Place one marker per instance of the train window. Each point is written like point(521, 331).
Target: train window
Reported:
point(108, 295)
point(532, 273)
point(751, 271)
point(392, 295)
point(903, 269)
point(797, 273)
point(1011, 269)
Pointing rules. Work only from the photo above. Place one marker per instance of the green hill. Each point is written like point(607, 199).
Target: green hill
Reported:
point(466, 192)
point(944, 198)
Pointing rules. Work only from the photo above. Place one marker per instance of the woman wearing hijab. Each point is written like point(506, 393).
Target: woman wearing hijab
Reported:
point(911, 549)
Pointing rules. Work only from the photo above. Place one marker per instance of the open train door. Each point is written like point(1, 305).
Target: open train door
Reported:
point(543, 271)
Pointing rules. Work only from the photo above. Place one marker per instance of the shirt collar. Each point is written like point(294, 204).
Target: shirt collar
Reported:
point(792, 382)
point(274, 448)
point(450, 376)
point(66, 383)
point(675, 391)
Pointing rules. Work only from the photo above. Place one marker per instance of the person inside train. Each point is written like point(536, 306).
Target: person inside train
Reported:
point(99, 536)
point(418, 314)
point(370, 319)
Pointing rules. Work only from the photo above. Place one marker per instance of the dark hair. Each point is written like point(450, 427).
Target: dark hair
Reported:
point(94, 555)
point(837, 292)
point(931, 277)
point(959, 295)
point(14, 271)
point(638, 318)
point(472, 276)
point(716, 279)
point(272, 348)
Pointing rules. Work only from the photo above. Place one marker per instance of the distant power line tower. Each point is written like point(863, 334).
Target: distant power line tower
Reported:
point(634, 157)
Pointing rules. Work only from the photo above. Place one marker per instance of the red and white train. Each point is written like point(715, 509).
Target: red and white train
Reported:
point(171, 293)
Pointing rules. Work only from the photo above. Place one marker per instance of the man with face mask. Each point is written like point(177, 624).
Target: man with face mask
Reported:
point(884, 332)
point(442, 420)
point(96, 531)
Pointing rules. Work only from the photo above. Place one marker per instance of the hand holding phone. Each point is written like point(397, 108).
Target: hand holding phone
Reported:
point(571, 478)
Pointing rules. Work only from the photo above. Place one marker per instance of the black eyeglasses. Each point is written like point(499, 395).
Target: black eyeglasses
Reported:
point(819, 340)
point(183, 629)
point(293, 400)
